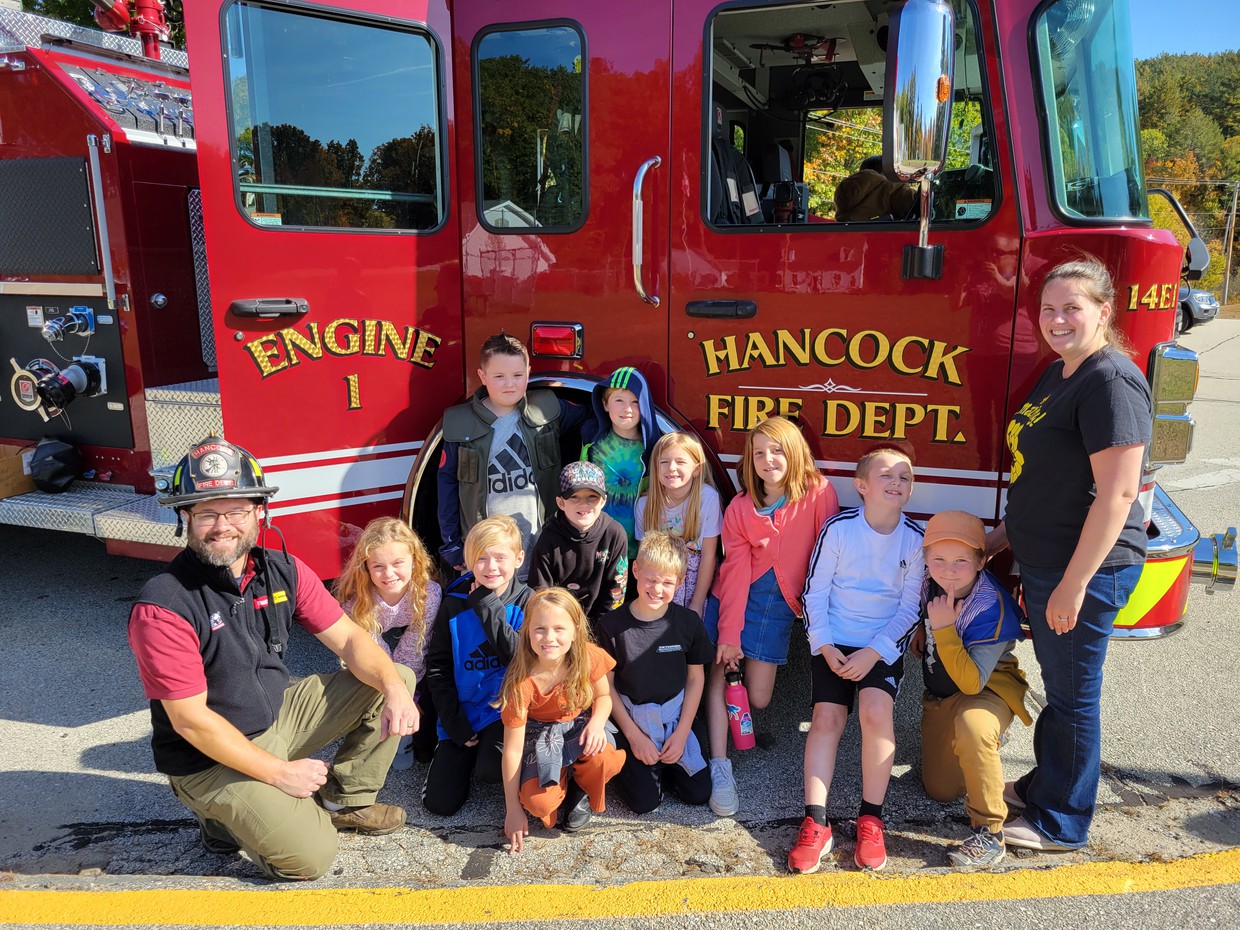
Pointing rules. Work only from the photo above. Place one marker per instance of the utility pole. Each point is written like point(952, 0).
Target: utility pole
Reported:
point(1230, 238)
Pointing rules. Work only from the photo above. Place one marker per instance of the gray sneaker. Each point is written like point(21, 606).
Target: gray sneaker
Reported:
point(982, 850)
point(724, 800)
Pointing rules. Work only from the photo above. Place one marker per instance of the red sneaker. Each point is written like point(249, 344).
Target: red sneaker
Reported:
point(813, 842)
point(871, 849)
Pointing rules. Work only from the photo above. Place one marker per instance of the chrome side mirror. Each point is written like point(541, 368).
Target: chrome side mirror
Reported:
point(917, 110)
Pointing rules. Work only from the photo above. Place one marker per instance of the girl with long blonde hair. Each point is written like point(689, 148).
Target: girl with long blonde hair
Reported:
point(387, 585)
point(555, 702)
point(682, 501)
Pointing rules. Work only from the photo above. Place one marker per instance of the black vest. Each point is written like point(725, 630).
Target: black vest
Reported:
point(241, 638)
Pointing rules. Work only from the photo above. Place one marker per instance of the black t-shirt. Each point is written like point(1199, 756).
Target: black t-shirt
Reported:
point(1105, 403)
point(653, 656)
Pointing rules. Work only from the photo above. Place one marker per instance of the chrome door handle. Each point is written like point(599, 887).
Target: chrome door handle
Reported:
point(637, 230)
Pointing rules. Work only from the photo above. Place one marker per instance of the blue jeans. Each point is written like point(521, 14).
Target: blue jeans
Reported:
point(1062, 789)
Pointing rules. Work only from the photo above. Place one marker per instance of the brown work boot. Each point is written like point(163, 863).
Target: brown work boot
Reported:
point(372, 820)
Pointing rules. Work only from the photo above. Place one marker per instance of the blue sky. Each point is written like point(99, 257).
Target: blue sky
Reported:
point(1184, 26)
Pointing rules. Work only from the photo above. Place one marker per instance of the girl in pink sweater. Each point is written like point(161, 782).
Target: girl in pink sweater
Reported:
point(768, 535)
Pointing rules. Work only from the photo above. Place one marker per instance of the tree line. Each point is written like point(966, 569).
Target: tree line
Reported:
point(1190, 130)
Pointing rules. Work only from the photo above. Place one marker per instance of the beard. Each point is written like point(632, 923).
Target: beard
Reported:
point(218, 555)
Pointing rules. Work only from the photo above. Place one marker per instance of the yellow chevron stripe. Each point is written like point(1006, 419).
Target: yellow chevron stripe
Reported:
point(1156, 580)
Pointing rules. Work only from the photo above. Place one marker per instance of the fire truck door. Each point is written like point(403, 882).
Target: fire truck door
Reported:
point(569, 100)
point(324, 141)
point(783, 301)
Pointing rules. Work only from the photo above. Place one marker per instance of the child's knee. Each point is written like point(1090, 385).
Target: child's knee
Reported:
point(978, 728)
point(875, 711)
point(828, 719)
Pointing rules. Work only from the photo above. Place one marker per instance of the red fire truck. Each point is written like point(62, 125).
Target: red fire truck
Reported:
point(376, 186)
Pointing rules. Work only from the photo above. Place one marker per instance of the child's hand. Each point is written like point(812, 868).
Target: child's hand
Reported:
point(516, 828)
point(673, 748)
point(917, 645)
point(943, 611)
point(858, 665)
point(835, 658)
point(643, 749)
point(729, 655)
point(593, 738)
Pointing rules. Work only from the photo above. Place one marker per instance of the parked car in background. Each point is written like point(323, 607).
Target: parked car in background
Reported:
point(1196, 306)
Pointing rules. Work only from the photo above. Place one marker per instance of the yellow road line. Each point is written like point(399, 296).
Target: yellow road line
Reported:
point(286, 906)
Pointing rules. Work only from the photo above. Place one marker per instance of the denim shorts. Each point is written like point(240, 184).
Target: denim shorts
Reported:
point(768, 621)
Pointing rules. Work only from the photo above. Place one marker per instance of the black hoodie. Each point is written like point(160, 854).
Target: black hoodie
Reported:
point(594, 565)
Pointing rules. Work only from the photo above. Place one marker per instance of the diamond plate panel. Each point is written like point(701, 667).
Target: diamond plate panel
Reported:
point(181, 414)
point(29, 29)
point(142, 520)
point(72, 511)
point(202, 280)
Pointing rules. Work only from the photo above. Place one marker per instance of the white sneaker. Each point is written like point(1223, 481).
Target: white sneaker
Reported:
point(403, 761)
point(724, 800)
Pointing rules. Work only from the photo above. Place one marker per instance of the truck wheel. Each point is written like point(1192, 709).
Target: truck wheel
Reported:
point(1183, 322)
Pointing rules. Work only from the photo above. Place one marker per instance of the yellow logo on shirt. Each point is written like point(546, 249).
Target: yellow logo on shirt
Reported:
point(279, 597)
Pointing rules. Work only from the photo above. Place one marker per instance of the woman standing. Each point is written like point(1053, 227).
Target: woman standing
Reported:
point(1076, 530)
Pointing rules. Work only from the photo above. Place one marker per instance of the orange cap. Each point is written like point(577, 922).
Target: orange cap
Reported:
point(958, 525)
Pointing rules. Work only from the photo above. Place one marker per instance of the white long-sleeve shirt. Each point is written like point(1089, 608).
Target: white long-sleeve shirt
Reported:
point(863, 587)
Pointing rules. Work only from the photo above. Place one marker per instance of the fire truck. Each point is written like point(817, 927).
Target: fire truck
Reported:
point(303, 245)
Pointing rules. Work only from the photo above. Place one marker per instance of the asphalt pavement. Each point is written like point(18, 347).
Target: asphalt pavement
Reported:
point(82, 809)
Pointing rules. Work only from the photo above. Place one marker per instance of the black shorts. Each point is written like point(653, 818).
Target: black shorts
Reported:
point(826, 687)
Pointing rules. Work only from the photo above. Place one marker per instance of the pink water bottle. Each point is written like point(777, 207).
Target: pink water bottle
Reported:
point(739, 719)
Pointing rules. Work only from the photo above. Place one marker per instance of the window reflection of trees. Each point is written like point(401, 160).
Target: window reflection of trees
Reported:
point(532, 135)
point(404, 169)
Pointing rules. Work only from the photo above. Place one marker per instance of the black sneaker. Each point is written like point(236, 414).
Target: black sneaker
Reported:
point(218, 840)
point(982, 850)
point(576, 808)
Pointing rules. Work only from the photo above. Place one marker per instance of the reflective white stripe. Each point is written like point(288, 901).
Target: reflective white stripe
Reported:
point(273, 461)
point(928, 496)
point(324, 480)
point(918, 471)
point(335, 502)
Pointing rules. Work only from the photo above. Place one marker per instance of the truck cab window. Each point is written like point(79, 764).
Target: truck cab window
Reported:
point(806, 84)
point(335, 123)
point(1089, 93)
point(531, 132)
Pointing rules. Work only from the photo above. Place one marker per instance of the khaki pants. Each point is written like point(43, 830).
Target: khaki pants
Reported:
point(960, 739)
point(287, 837)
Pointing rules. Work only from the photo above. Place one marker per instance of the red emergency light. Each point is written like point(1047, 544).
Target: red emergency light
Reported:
point(557, 340)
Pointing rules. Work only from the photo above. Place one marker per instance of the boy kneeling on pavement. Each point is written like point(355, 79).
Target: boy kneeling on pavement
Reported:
point(973, 685)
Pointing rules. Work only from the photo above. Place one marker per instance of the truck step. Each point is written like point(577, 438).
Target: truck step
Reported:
point(179, 415)
point(103, 510)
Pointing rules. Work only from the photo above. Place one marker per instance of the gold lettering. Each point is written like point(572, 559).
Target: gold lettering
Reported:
point(820, 346)
point(311, 346)
point(756, 348)
point(425, 349)
point(831, 410)
point(263, 351)
point(1132, 296)
point(906, 416)
point(718, 406)
point(875, 421)
point(1150, 298)
point(943, 415)
point(790, 407)
point(939, 359)
point(714, 356)
point(370, 338)
point(882, 348)
point(786, 344)
point(1170, 295)
point(389, 335)
point(331, 337)
point(898, 362)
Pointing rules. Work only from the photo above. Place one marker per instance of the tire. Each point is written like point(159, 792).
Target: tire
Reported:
point(1183, 321)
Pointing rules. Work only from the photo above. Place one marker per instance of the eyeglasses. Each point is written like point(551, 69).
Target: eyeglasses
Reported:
point(207, 518)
